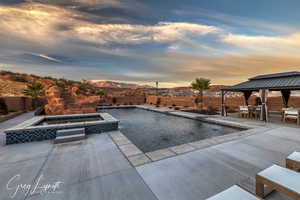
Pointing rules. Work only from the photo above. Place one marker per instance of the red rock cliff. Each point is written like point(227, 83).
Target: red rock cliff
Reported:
point(69, 102)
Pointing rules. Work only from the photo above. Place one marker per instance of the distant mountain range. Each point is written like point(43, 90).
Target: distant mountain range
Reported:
point(113, 84)
point(13, 84)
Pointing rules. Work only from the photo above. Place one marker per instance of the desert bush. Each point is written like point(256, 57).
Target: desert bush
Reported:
point(59, 84)
point(100, 93)
point(3, 107)
point(212, 109)
point(19, 78)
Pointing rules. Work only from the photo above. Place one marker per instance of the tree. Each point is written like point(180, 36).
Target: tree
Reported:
point(200, 84)
point(59, 84)
point(100, 93)
point(34, 90)
point(84, 85)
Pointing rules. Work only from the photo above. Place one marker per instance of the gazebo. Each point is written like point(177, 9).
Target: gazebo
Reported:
point(283, 82)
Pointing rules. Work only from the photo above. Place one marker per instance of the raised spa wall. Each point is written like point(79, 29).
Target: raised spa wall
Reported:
point(30, 131)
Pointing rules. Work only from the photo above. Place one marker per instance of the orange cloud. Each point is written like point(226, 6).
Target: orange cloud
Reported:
point(280, 44)
point(226, 69)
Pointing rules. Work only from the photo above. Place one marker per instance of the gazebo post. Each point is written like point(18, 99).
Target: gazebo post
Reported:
point(223, 111)
point(247, 95)
point(285, 94)
point(263, 97)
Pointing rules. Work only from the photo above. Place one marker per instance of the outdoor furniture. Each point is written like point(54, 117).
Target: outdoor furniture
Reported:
point(283, 110)
point(292, 113)
point(234, 193)
point(251, 111)
point(280, 179)
point(244, 111)
point(293, 161)
point(257, 112)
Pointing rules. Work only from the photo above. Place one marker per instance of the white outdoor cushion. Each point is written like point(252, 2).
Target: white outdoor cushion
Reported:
point(244, 108)
point(291, 112)
point(294, 156)
point(234, 193)
point(282, 176)
point(289, 108)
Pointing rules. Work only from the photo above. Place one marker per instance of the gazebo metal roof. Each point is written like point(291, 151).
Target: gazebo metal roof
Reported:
point(278, 81)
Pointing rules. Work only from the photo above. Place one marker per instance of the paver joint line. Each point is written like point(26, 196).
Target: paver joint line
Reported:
point(40, 170)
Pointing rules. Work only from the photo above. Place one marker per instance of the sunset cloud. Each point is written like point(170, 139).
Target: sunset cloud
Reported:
point(227, 69)
point(39, 22)
point(87, 3)
point(163, 32)
point(35, 22)
point(267, 44)
point(103, 39)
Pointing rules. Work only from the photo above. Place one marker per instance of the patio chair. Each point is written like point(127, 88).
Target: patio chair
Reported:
point(257, 112)
point(234, 193)
point(280, 179)
point(293, 161)
point(292, 114)
point(244, 111)
point(283, 110)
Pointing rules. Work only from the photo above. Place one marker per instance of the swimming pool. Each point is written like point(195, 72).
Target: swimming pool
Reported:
point(151, 131)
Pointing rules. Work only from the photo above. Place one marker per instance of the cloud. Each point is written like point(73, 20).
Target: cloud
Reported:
point(42, 24)
point(87, 3)
point(62, 36)
point(222, 19)
point(34, 22)
point(267, 44)
point(163, 32)
point(229, 69)
point(47, 57)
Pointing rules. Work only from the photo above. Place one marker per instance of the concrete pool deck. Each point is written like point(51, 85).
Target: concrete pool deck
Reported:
point(96, 168)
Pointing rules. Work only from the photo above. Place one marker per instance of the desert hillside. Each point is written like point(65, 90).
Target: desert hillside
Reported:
point(11, 88)
point(13, 84)
point(114, 84)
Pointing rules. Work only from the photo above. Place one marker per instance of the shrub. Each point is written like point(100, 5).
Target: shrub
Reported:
point(100, 93)
point(3, 107)
point(3, 72)
point(34, 89)
point(19, 78)
point(59, 84)
point(212, 109)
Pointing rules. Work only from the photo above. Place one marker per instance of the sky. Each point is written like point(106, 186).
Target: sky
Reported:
point(143, 41)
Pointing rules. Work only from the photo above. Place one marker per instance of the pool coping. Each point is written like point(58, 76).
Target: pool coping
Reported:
point(32, 123)
point(137, 157)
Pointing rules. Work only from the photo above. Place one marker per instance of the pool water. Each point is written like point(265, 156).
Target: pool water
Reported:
point(151, 131)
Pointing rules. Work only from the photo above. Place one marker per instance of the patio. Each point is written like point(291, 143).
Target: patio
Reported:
point(96, 169)
point(274, 119)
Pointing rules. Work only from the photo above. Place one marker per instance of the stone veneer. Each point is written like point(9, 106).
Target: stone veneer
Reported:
point(29, 130)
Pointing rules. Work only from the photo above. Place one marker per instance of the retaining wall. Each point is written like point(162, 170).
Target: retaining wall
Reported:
point(22, 103)
point(214, 102)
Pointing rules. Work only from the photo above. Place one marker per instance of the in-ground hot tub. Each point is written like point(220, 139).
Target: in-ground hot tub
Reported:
point(44, 127)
